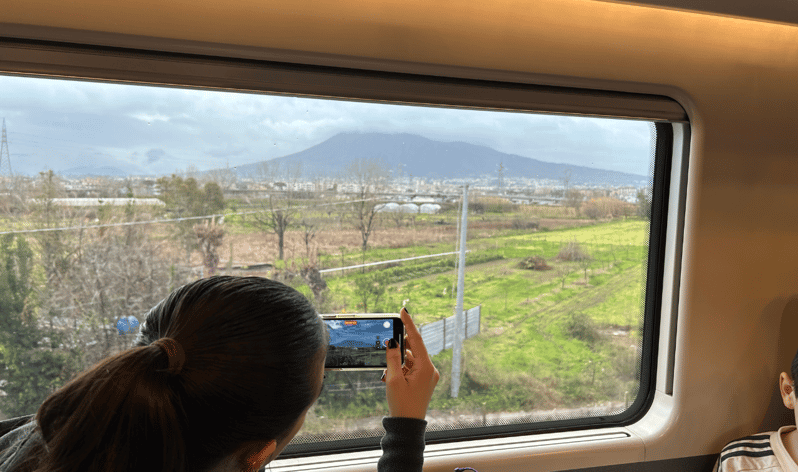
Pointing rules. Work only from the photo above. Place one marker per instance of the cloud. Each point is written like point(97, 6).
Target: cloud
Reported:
point(58, 120)
point(155, 155)
point(149, 118)
point(334, 324)
point(228, 151)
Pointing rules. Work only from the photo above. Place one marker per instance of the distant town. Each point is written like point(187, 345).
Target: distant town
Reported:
point(82, 191)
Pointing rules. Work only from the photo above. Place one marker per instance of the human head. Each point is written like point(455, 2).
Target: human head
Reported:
point(254, 357)
point(787, 386)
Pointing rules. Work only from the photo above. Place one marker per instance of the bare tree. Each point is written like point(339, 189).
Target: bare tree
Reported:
point(279, 208)
point(585, 265)
point(209, 238)
point(15, 192)
point(56, 247)
point(309, 230)
point(563, 271)
point(369, 177)
point(119, 272)
point(573, 199)
point(225, 178)
point(398, 216)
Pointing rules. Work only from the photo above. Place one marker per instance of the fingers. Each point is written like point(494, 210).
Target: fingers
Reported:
point(408, 362)
point(408, 365)
point(405, 369)
point(393, 361)
point(413, 336)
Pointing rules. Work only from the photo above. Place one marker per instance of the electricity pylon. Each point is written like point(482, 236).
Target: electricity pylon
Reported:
point(5, 158)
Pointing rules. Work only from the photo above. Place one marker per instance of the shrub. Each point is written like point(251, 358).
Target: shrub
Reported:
point(581, 326)
point(606, 207)
point(521, 224)
point(572, 252)
point(476, 207)
point(534, 263)
point(491, 205)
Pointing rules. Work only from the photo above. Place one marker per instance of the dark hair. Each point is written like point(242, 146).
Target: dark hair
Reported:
point(794, 368)
point(249, 345)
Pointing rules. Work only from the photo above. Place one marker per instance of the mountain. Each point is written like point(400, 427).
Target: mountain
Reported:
point(422, 157)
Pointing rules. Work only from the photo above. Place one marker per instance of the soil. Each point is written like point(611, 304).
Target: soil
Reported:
point(253, 248)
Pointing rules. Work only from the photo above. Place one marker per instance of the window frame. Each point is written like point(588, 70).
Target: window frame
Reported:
point(173, 69)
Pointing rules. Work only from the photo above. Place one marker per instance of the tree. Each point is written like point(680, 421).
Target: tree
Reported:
point(225, 178)
point(31, 367)
point(584, 263)
point(573, 199)
point(563, 271)
point(309, 230)
point(644, 204)
point(184, 198)
point(120, 272)
point(280, 207)
point(369, 177)
point(14, 192)
point(16, 257)
point(56, 252)
point(209, 238)
point(370, 288)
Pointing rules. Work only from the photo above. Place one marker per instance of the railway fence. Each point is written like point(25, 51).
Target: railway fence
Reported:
point(439, 335)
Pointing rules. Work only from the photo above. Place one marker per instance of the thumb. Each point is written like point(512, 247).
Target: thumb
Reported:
point(394, 361)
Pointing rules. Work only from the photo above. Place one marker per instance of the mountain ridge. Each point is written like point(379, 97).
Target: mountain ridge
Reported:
point(422, 157)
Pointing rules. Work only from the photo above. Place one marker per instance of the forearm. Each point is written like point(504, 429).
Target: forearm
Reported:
point(402, 445)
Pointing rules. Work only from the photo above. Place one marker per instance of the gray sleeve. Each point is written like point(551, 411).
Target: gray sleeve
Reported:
point(402, 445)
point(16, 446)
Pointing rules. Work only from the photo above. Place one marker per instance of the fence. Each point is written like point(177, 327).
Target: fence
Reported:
point(439, 335)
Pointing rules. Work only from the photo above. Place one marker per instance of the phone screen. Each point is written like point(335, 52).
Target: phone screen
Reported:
point(360, 342)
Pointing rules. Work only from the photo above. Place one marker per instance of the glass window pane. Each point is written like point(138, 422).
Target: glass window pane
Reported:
point(114, 194)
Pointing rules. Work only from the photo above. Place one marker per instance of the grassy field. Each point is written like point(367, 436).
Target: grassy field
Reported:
point(549, 339)
point(560, 338)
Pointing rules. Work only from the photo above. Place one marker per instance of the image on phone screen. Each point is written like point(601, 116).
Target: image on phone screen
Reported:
point(358, 342)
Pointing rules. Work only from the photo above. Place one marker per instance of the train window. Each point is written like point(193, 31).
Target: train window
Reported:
point(113, 194)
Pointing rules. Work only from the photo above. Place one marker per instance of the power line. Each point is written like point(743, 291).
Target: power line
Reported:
point(369, 264)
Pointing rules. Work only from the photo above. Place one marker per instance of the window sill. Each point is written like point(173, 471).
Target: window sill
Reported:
point(553, 451)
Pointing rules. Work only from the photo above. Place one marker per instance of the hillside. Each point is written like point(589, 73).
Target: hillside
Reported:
point(421, 157)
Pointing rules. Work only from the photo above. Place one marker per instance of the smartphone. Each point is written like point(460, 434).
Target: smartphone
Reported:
point(359, 341)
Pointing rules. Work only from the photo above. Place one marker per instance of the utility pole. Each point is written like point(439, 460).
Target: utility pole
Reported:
point(459, 318)
point(5, 158)
point(501, 178)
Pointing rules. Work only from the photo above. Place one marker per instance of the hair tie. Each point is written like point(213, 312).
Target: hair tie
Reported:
point(177, 356)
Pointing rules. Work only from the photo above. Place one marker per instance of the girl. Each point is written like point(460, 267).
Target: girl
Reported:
point(223, 372)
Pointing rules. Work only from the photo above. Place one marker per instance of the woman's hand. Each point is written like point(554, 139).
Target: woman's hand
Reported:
point(409, 389)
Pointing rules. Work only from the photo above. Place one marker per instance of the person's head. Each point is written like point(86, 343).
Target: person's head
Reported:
point(787, 386)
point(254, 362)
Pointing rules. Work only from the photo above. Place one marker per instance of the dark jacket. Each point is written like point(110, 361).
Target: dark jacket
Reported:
point(402, 445)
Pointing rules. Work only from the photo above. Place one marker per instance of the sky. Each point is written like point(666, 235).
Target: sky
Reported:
point(366, 331)
point(60, 124)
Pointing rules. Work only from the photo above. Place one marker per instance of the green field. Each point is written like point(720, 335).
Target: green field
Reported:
point(567, 337)
point(549, 339)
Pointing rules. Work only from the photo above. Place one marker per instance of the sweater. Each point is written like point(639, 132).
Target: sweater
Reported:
point(402, 445)
point(760, 452)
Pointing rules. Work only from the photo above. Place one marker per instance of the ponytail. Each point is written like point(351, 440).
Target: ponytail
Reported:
point(120, 415)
